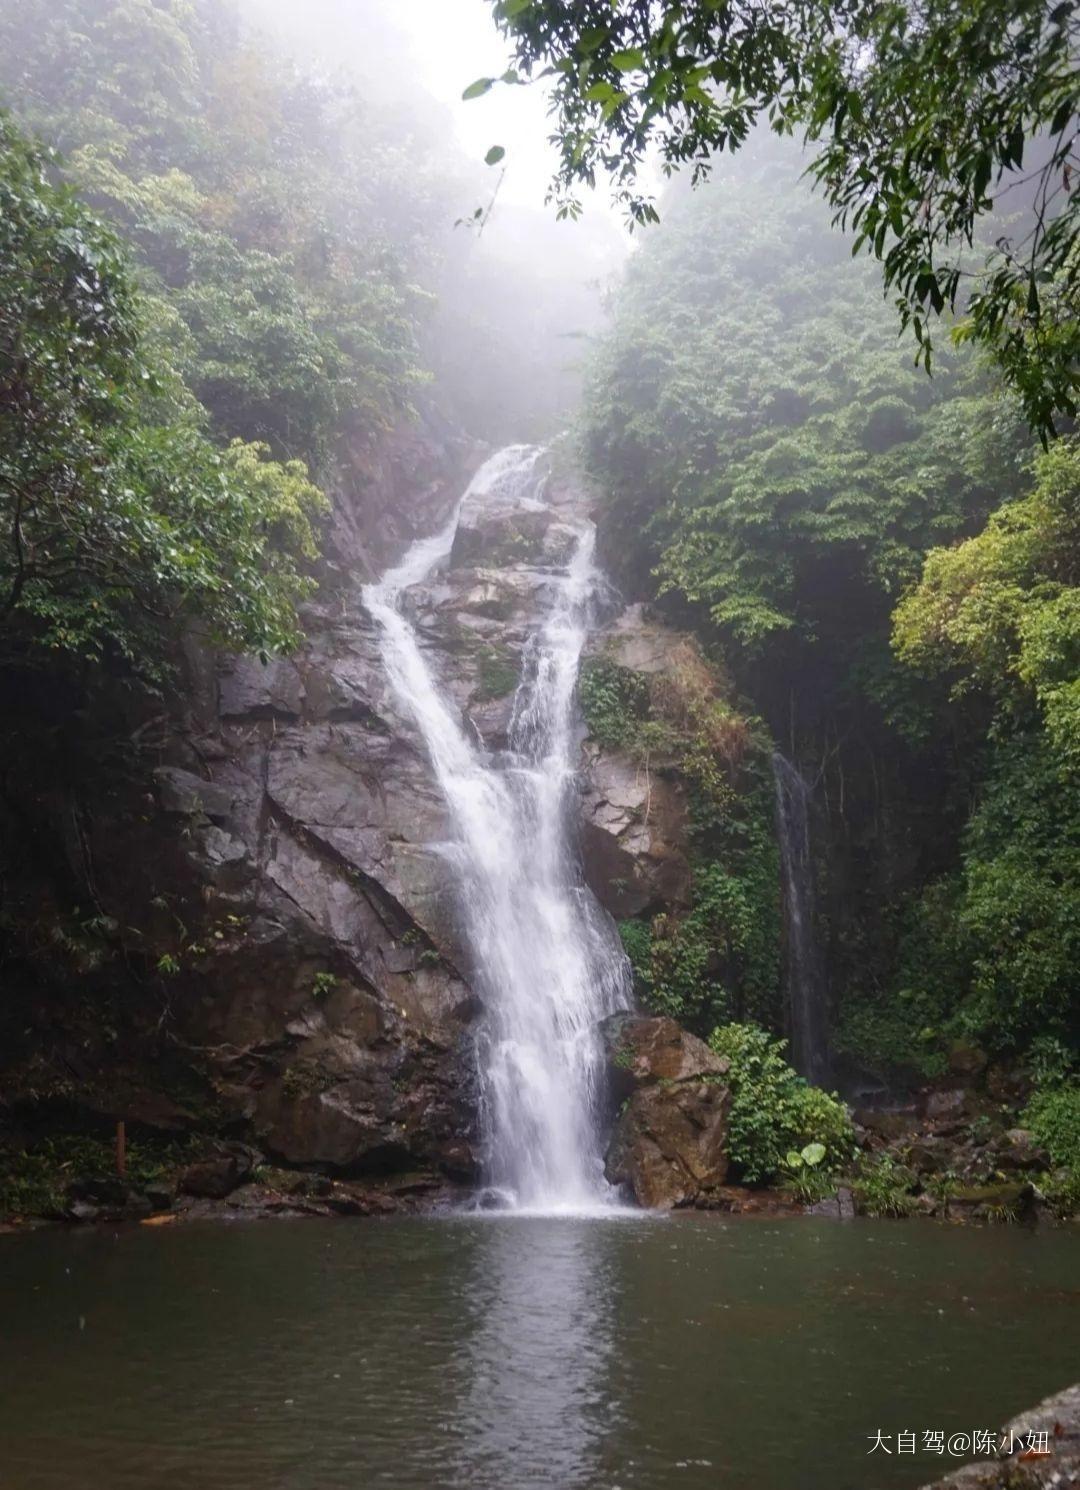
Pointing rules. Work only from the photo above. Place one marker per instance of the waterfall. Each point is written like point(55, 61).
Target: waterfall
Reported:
point(546, 960)
point(804, 975)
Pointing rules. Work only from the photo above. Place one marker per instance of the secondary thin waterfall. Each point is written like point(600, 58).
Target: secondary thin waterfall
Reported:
point(804, 975)
point(547, 960)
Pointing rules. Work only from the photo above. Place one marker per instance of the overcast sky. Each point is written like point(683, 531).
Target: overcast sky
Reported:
point(448, 44)
point(455, 42)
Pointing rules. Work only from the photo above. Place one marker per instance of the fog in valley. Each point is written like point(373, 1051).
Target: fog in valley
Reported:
point(518, 299)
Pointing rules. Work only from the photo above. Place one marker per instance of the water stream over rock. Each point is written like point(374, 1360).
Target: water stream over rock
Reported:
point(547, 960)
point(804, 974)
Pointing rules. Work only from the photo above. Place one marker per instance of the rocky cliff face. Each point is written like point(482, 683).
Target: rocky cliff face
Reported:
point(242, 923)
point(269, 944)
point(634, 819)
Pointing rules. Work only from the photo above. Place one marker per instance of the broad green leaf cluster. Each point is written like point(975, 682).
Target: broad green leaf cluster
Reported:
point(774, 1111)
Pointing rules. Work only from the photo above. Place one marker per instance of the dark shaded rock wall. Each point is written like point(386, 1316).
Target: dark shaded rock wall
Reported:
point(227, 912)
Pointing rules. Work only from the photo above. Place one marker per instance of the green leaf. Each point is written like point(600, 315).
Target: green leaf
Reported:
point(1062, 117)
point(629, 61)
point(793, 1160)
point(982, 175)
point(478, 89)
point(813, 1153)
point(494, 155)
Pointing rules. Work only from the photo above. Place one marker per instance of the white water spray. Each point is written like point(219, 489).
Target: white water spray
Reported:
point(546, 959)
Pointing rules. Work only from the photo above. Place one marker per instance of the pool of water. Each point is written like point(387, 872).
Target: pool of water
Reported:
point(514, 1353)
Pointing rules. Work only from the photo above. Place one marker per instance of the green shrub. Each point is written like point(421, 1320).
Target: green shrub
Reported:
point(883, 1187)
point(879, 1035)
point(323, 985)
point(34, 1180)
point(773, 1110)
point(614, 701)
point(1062, 1190)
point(1049, 1060)
point(719, 959)
point(805, 1178)
point(1053, 1115)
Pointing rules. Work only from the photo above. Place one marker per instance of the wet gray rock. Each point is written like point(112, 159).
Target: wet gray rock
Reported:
point(839, 1206)
point(105, 1198)
point(633, 833)
point(250, 689)
point(637, 641)
point(219, 1174)
point(940, 1105)
point(1019, 1149)
point(635, 827)
point(186, 794)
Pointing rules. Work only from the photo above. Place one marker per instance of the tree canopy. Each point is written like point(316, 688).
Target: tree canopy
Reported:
point(1001, 612)
point(278, 232)
point(927, 124)
point(120, 516)
point(749, 415)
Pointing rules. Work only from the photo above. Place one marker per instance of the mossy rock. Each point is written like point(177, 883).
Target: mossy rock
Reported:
point(1007, 1202)
point(496, 674)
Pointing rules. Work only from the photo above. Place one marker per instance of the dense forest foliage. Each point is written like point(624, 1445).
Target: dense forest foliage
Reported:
point(887, 563)
point(123, 518)
point(169, 398)
point(279, 236)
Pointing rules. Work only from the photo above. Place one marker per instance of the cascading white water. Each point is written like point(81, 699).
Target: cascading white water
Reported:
point(547, 960)
point(804, 974)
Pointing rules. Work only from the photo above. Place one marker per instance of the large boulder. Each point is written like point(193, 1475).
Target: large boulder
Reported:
point(644, 1049)
point(669, 1144)
point(634, 833)
point(218, 1174)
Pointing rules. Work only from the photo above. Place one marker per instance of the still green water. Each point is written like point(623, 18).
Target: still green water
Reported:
point(519, 1353)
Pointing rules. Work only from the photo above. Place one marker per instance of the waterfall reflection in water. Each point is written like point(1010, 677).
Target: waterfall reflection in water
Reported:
point(536, 1360)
